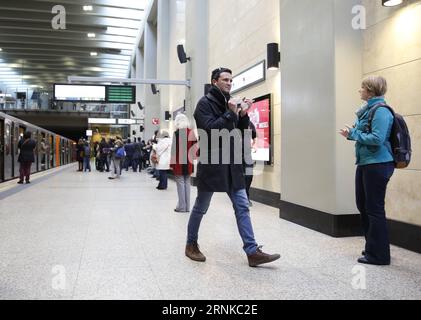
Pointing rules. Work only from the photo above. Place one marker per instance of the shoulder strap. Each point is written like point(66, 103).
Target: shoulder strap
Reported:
point(373, 112)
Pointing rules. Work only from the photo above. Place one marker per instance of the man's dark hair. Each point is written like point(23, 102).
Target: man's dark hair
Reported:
point(27, 135)
point(217, 73)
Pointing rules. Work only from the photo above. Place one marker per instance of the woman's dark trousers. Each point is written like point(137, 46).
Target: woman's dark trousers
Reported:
point(370, 187)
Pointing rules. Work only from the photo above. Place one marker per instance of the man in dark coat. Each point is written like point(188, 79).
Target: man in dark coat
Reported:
point(220, 122)
point(26, 148)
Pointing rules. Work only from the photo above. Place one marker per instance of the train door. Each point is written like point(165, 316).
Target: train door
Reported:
point(34, 135)
point(52, 151)
point(57, 151)
point(2, 150)
point(47, 152)
point(61, 152)
point(7, 146)
point(15, 151)
point(19, 136)
point(41, 150)
point(68, 151)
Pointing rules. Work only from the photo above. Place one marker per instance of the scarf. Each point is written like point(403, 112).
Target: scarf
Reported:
point(370, 103)
point(222, 97)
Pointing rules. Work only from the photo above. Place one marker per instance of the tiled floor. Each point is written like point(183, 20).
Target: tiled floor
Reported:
point(72, 235)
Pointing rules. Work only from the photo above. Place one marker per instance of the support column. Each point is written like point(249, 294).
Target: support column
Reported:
point(163, 56)
point(152, 109)
point(197, 47)
point(321, 68)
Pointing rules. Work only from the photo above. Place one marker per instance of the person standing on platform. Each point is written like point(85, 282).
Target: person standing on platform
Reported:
point(26, 156)
point(217, 112)
point(79, 153)
point(181, 161)
point(375, 167)
point(163, 156)
point(87, 157)
point(117, 157)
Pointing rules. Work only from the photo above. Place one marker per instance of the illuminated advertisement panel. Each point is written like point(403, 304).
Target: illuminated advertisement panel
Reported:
point(260, 115)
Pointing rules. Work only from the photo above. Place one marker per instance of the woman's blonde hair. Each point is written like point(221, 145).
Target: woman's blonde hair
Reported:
point(377, 85)
point(181, 121)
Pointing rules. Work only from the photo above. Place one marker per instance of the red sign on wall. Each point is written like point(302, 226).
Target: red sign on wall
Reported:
point(155, 121)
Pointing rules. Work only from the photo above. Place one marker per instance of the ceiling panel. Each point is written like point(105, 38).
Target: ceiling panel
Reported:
point(34, 54)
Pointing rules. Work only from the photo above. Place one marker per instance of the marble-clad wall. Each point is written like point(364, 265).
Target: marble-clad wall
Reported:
point(392, 48)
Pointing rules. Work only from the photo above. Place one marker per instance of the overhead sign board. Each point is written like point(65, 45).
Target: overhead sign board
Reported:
point(79, 93)
point(101, 121)
point(126, 121)
point(94, 93)
point(249, 77)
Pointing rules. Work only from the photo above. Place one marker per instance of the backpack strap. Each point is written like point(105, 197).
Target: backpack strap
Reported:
point(373, 112)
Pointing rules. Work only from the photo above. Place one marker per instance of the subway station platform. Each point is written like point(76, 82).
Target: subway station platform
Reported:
point(73, 235)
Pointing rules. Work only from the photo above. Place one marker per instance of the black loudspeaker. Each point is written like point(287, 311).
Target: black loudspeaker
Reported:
point(154, 90)
point(182, 54)
point(273, 56)
point(140, 106)
point(132, 113)
point(141, 129)
point(208, 86)
point(134, 132)
point(167, 116)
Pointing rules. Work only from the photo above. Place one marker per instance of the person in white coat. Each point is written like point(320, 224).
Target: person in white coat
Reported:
point(163, 152)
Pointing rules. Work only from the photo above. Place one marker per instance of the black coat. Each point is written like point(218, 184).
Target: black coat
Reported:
point(26, 148)
point(211, 114)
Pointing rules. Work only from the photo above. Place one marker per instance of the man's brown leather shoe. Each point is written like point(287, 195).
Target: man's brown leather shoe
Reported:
point(193, 252)
point(260, 257)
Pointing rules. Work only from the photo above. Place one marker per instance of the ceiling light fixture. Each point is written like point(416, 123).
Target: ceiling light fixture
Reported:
point(93, 54)
point(87, 8)
point(391, 3)
point(91, 35)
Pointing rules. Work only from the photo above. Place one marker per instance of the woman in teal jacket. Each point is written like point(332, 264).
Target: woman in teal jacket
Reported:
point(375, 167)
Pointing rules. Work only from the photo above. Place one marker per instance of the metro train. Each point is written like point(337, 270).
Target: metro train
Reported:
point(60, 150)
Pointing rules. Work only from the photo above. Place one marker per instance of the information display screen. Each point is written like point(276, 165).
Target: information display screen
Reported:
point(79, 93)
point(120, 94)
point(94, 93)
point(260, 115)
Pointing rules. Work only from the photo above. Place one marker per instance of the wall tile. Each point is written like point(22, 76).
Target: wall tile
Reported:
point(414, 125)
point(393, 41)
point(403, 201)
point(403, 87)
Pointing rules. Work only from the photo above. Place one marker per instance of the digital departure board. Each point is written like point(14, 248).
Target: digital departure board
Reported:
point(120, 94)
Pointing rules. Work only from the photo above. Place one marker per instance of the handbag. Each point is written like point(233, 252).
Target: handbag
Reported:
point(154, 158)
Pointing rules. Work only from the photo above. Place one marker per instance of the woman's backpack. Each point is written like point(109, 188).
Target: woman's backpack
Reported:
point(400, 139)
point(120, 153)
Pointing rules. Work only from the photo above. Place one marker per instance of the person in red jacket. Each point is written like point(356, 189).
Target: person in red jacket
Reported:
point(182, 160)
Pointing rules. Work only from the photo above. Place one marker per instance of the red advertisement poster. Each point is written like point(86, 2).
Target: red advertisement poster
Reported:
point(260, 116)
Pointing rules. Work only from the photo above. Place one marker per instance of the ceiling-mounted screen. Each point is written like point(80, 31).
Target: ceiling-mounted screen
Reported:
point(94, 93)
point(79, 93)
point(120, 94)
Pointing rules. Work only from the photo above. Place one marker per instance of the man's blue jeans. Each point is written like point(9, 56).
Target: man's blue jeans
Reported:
point(240, 203)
